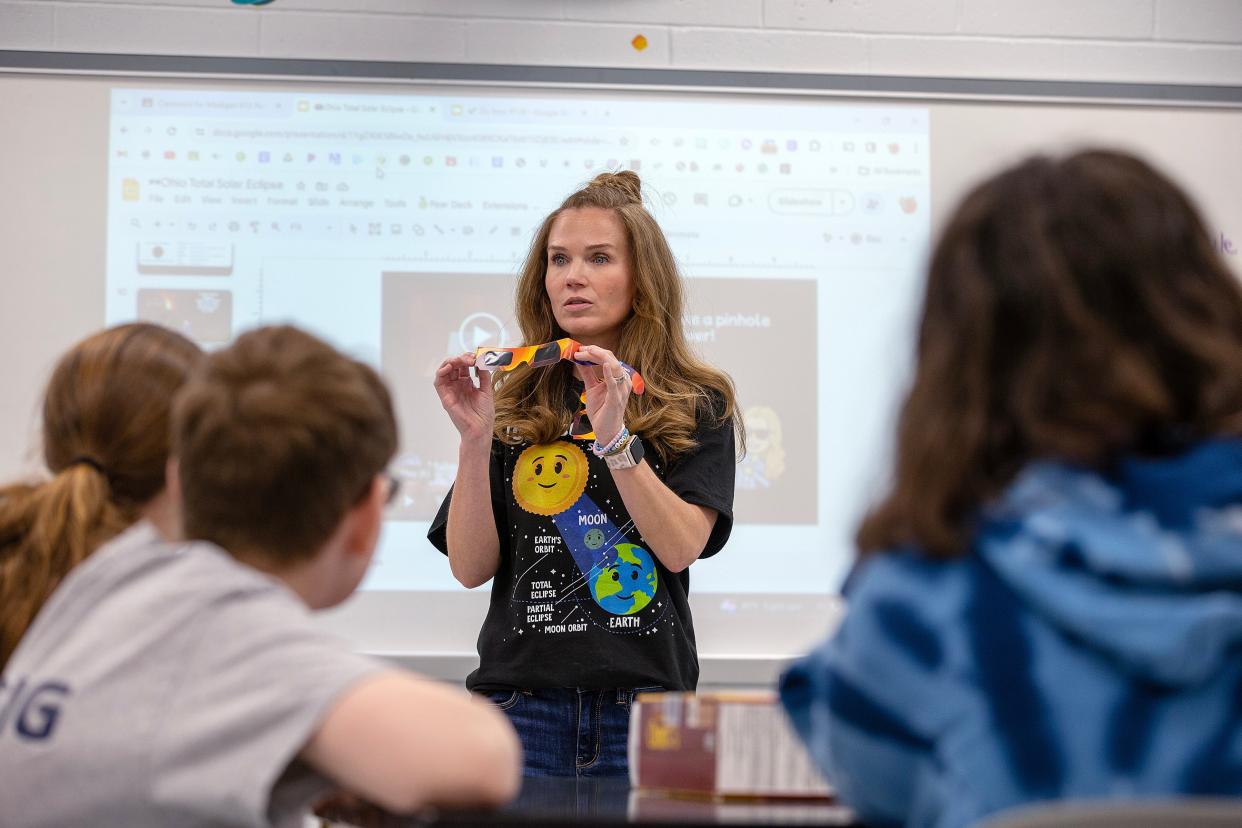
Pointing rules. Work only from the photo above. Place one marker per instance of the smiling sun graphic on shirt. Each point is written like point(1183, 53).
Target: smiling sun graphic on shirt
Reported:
point(549, 478)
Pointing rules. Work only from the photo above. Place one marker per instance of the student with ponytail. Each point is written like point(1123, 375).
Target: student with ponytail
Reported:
point(582, 496)
point(105, 441)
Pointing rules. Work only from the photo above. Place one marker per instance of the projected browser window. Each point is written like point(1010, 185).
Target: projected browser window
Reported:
point(394, 225)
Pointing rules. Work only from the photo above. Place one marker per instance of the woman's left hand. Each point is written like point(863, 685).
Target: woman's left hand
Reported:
point(608, 389)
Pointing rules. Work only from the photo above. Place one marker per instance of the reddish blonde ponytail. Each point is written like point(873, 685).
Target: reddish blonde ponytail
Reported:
point(106, 419)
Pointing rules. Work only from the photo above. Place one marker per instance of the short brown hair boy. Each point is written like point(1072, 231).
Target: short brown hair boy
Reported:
point(277, 438)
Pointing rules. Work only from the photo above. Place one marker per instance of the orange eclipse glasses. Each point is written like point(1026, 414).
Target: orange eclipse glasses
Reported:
point(549, 353)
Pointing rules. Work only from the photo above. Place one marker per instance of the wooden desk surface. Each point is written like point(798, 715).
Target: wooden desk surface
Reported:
point(602, 802)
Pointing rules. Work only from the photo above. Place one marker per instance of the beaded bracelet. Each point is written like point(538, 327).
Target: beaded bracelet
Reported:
point(621, 448)
point(613, 446)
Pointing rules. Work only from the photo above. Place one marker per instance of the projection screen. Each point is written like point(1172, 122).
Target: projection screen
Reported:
point(390, 217)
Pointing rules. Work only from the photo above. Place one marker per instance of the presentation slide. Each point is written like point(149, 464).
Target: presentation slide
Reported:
point(390, 215)
point(393, 225)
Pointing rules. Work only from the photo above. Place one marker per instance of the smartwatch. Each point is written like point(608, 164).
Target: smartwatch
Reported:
point(628, 456)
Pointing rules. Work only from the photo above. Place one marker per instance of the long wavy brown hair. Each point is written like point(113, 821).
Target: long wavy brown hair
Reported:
point(530, 404)
point(106, 415)
point(1075, 309)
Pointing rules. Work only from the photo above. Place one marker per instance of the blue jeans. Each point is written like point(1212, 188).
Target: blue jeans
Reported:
point(571, 731)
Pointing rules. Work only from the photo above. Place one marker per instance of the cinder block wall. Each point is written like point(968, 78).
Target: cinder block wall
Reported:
point(1148, 41)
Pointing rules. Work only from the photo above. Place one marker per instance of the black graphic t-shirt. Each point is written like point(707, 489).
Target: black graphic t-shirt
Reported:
point(579, 600)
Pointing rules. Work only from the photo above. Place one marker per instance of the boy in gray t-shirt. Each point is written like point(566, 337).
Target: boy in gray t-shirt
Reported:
point(179, 684)
point(166, 684)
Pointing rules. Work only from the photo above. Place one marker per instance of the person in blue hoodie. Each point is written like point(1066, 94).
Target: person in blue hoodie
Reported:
point(1048, 599)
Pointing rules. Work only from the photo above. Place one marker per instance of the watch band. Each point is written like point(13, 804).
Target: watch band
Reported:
point(628, 456)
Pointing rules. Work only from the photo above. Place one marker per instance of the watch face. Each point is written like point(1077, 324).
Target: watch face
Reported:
point(635, 449)
point(627, 458)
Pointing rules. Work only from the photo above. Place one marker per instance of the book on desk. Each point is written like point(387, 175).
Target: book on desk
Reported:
point(721, 744)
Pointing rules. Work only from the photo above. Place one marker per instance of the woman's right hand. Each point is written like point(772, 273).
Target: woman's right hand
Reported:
point(470, 407)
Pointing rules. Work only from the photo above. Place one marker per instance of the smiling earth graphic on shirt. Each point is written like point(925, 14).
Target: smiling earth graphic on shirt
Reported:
point(550, 480)
point(629, 583)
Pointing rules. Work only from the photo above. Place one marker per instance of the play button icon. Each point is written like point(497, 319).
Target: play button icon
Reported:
point(481, 329)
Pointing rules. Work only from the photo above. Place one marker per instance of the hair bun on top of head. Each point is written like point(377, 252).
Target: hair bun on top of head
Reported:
point(626, 182)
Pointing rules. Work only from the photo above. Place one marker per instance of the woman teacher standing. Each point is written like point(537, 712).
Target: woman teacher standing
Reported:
point(582, 501)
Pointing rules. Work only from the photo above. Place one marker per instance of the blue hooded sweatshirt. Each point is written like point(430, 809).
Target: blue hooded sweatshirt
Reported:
point(1088, 646)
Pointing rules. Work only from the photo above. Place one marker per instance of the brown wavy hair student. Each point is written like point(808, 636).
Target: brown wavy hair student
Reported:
point(583, 502)
point(1079, 323)
point(106, 416)
point(1048, 602)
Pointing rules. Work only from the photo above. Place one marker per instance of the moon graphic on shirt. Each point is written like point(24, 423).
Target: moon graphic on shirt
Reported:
point(549, 478)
